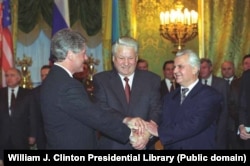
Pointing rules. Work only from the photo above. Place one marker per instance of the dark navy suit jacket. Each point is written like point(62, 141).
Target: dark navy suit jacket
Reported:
point(70, 118)
point(191, 125)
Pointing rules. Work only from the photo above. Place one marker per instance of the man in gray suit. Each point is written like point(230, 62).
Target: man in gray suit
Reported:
point(144, 100)
point(70, 118)
point(207, 78)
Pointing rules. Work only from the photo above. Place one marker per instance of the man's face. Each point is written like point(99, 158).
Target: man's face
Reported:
point(184, 73)
point(78, 60)
point(246, 64)
point(227, 70)
point(169, 71)
point(44, 73)
point(12, 78)
point(142, 66)
point(125, 60)
point(205, 70)
point(84, 74)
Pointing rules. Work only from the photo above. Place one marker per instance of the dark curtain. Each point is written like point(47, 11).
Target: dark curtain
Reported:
point(87, 11)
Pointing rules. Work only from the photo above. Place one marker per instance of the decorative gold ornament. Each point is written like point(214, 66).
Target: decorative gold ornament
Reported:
point(92, 62)
point(24, 64)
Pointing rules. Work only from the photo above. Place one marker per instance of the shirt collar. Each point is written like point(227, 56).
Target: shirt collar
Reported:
point(191, 86)
point(70, 74)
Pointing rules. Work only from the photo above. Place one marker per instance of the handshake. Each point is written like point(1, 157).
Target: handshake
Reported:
point(141, 131)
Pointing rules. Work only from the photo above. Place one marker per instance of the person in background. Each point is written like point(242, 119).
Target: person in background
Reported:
point(144, 99)
point(168, 84)
point(36, 107)
point(228, 71)
point(44, 71)
point(17, 121)
point(142, 64)
point(207, 78)
point(236, 142)
point(191, 111)
point(244, 110)
point(70, 118)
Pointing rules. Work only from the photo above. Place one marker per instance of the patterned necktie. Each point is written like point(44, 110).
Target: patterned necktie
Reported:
point(127, 89)
point(183, 94)
point(12, 101)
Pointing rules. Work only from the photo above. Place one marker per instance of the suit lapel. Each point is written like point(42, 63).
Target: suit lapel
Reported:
point(118, 90)
point(5, 100)
point(193, 92)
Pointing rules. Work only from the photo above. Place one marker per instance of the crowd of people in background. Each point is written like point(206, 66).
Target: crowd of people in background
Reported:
point(190, 108)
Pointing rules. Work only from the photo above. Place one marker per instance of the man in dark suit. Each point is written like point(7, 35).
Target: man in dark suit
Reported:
point(17, 121)
point(142, 64)
point(244, 111)
point(207, 78)
point(191, 111)
point(70, 118)
point(144, 100)
point(228, 73)
point(234, 106)
point(36, 106)
point(168, 84)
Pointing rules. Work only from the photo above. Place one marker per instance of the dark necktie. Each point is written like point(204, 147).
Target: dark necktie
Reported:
point(205, 82)
point(127, 89)
point(183, 94)
point(172, 87)
point(12, 101)
point(228, 81)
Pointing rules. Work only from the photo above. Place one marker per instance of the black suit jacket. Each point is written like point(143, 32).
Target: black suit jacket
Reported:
point(70, 118)
point(144, 100)
point(36, 107)
point(21, 124)
point(244, 100)
point(222, 86)
point(164, 88)
point(233, 104)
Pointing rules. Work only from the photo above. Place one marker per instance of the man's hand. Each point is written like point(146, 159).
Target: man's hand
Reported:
point(137, 124)
point(152, 128)
point(243, 133)
point(139, 141)
point(32, 140)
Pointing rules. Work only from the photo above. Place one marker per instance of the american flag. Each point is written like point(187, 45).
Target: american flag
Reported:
point(6, 43)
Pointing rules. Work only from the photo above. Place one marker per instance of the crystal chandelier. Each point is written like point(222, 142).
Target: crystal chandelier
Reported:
point(179, 26)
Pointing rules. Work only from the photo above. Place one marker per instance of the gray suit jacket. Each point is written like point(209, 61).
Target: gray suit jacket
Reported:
point(145, 99)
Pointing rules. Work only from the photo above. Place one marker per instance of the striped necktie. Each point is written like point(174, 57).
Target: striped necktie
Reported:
point(183, 94)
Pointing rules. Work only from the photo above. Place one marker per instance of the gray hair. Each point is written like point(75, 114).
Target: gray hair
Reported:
point(193, 58)
point(125, 41)
point(66, 40)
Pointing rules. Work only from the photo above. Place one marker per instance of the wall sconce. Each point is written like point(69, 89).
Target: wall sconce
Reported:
point(177, 26)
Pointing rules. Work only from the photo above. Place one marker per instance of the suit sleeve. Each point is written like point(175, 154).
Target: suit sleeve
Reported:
point(244, 99)
point(80, 108)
